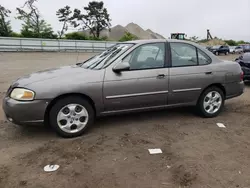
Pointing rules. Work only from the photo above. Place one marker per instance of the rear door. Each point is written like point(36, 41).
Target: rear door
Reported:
point(190, 71)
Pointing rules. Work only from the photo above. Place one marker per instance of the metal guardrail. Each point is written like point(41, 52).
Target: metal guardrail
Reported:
point(9, 44)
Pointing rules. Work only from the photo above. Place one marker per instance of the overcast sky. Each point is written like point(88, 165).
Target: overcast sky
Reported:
point(227, 19)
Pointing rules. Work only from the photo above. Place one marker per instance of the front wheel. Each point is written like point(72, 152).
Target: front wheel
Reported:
point(71, 116)
point(216, 53)
point(211, 102)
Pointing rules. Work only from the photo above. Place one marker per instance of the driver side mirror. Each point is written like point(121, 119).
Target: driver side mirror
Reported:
point(124, 66)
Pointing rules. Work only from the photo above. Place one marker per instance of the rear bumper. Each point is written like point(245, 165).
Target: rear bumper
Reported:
point(25, 113)
point(234, 89)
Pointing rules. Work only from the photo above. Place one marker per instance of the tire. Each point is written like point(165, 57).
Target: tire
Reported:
point(201, 107)
point(226, 53)
point(216, 53)
point(76, 111)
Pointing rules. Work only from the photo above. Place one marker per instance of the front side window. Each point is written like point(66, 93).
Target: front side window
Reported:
point(148, 56)
point(183, 55)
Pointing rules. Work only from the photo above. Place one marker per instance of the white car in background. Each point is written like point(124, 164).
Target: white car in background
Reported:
point(236, 49)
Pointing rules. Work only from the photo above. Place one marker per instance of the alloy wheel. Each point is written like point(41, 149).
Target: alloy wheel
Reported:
point(72, 118)
point(212, 102)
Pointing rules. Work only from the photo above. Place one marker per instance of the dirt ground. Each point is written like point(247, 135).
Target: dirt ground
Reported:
point(114, 152)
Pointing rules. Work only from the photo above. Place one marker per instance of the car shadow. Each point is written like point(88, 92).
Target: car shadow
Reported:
point(134, 117)
point(45, 132)
point(37, 131)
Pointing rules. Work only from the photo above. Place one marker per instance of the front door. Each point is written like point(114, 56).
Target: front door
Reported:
point(144, 85)
point(190, 72)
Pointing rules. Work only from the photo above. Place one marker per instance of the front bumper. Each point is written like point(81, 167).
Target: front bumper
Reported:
point(25, 112)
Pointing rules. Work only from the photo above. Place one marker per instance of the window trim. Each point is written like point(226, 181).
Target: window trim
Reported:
point(197, 57)
point(165, 64)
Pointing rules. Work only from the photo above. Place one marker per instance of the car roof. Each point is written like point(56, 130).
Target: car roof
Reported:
point(146, 41)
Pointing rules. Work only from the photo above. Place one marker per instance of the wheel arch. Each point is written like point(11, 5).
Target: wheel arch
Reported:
point(214, 85)
point(86, 97)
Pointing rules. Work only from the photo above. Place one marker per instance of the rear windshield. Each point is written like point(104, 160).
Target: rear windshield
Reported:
point(246, 56)
point(215, 47)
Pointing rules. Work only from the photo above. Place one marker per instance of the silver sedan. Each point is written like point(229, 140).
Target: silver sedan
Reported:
point(131, 76)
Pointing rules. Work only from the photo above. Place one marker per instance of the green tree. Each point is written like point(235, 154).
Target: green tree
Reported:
point(14, 34)
point(64, 16)
point(231, 42)
point(5, 28)
point(241, 42)
point(33, 24)
point(95, 19)
point(76, 36)
point(127, 37)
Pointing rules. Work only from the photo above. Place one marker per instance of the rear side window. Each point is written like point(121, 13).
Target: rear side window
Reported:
point(183, 55)
point(188, 55)
point(203, 58)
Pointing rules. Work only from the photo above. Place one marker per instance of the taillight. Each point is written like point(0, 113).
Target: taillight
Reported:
point(242, 76)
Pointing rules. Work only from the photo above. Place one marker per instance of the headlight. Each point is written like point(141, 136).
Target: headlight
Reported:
point(22, 94)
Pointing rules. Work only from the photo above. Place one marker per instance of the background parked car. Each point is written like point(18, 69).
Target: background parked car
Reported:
point(244, 61)
point(219, 49)
point(246, 47)
point(236, 49)
point(208, 48)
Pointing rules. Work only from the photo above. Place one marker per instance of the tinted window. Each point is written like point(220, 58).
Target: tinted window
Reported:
point(147, 56)
point(183, 55)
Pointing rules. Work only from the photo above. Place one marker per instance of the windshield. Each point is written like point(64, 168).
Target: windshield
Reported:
point(101, 60)
point(215, 47)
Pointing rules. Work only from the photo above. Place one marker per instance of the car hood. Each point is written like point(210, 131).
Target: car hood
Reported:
point(60, 72)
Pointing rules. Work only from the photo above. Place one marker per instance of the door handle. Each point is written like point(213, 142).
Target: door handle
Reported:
point(160, 76)
point(208, 73)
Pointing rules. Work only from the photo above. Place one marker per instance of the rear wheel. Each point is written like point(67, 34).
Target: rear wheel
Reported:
point(71, 116)
point(216, 53)
point(211, 102)
point(226, 53)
